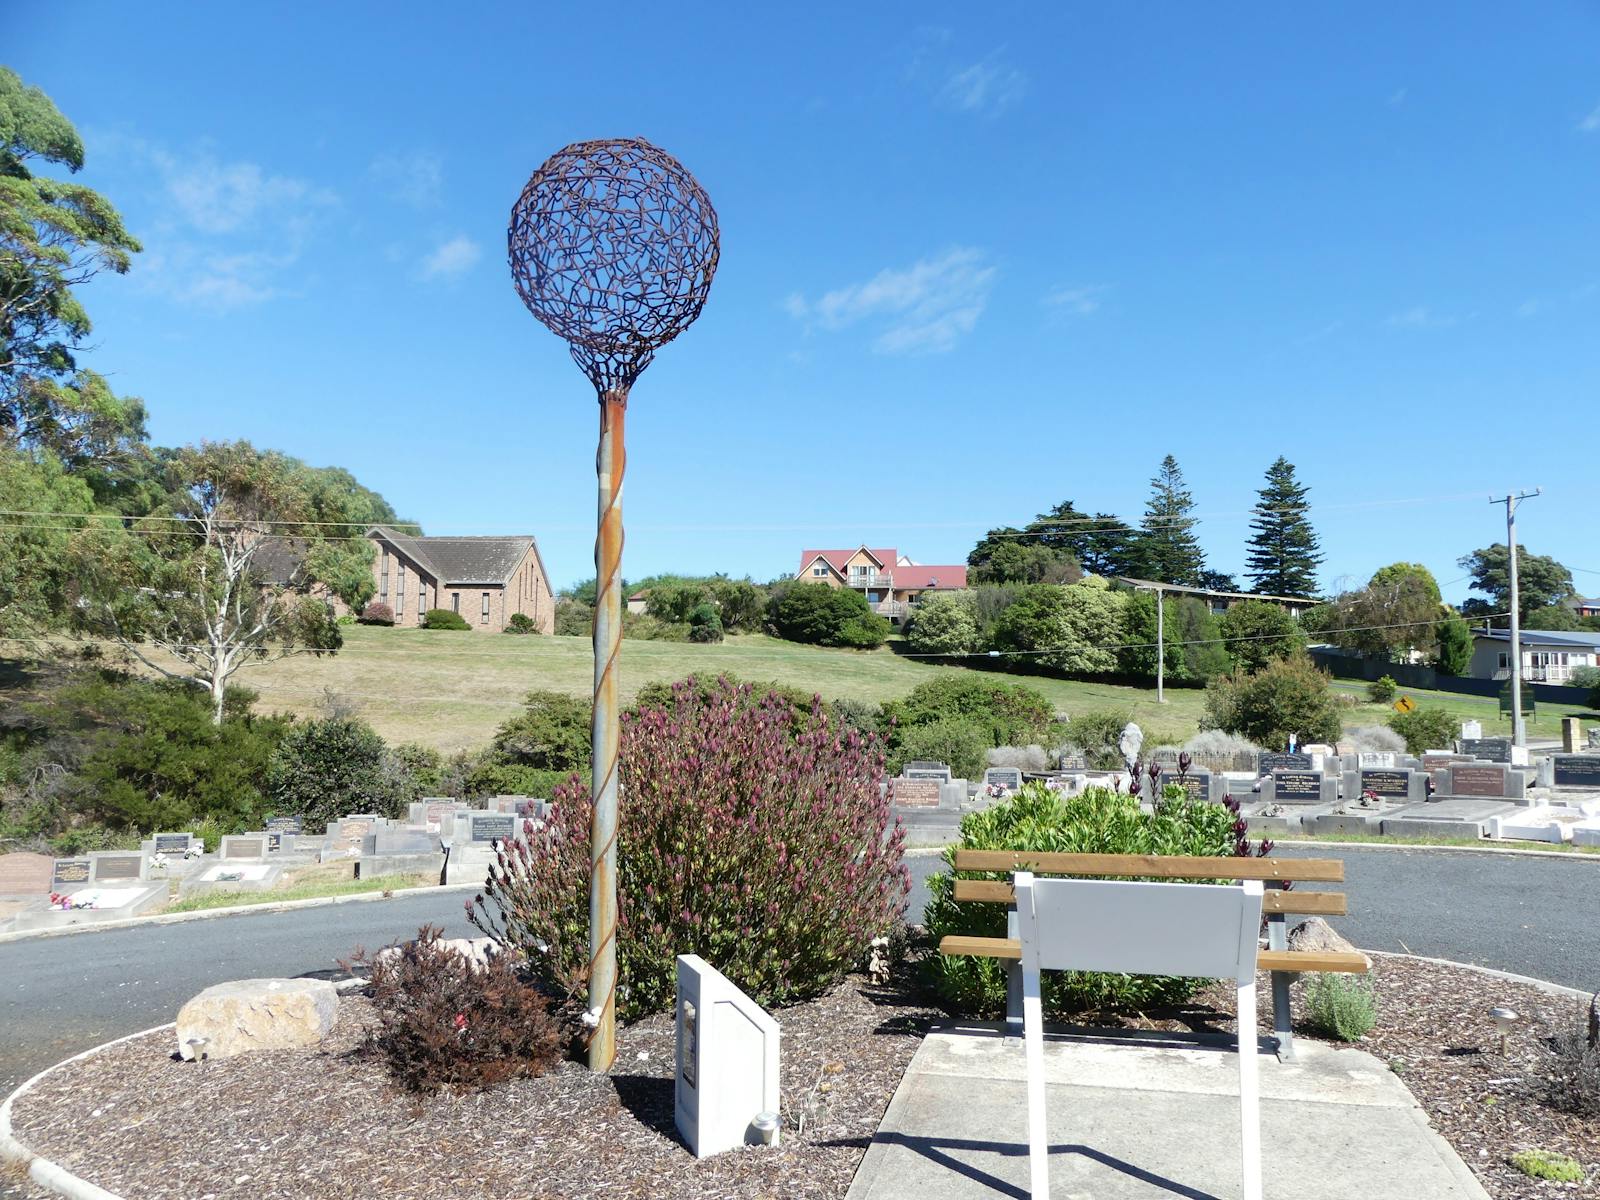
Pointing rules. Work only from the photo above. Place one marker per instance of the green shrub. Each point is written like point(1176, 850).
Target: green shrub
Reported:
point(1010, 714)
point(959, 743)
point(491, 774)
point(1382, 690)
point(152, 759)
point(377, 613)
point(1585, 677)
point(739, 602)
point(574, 618)
point(443, 618)
point(944, 623)
point(447, 1023)
point(642, 627)
point(1341, 1006)
point(768, 852)
point(1287, 696)
point(1069, 628)
point(1100, 821)
point(1258, 632)
point(1425, 728)
point(520, 623)
point(705, 625)
point(818, 615)
point(1547, 1164)
point(1097, 733)
point(323, 770)
point(551, 733)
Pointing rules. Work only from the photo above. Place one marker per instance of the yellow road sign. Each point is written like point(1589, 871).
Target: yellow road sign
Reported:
point(1405, 704)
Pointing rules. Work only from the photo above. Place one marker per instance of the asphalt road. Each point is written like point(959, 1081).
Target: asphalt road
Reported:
point(60, 995)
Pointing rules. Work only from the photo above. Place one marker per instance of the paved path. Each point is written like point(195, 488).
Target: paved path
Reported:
point(64, 994)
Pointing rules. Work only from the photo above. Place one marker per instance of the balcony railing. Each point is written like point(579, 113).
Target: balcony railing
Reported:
point(883, 579)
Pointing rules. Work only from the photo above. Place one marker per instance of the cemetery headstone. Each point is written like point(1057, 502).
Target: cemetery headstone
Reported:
point(1295, 787)
point(1469, 779)
point(1494, 749)
point(1376, 758)
point(1386, 782)
point(250, 847)
point(117, 867)
point(1471, 730)
point(1594, 738)
point(284, 825)
point(25, 874)
point(1009, 778)
point(492, 827)
point(69, 872)
point(1577, 771)
point(172, 843)
point(917, 793)
point(1284, 762)
point(1196, 783)
point(727, 1063)
point(939, 774)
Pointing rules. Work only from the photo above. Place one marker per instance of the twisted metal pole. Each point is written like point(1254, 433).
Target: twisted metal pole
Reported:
point(610, 463)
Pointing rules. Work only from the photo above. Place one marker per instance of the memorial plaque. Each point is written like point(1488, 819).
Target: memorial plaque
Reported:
point(1196, 783)
point(24, 874)
point(1386, 783)
point(926, 773)
point(244, 847)
point(1478, 781)
point(1495, 749)
point(493, 828)
point(352, 832)
point(1376, 759)
point(284, 825)
point(1297, 785)
point(172, 843)
point(1271, 763)
point(1577, 771)
point(1009, 778)
point(111, 867)
point(727, 1062)
point(926, 764)
point(917, 793)
point(69, 871)
point(274, 841)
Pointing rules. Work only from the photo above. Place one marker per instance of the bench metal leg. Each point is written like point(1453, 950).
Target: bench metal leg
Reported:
point(1013, 979)
point(1278, 939)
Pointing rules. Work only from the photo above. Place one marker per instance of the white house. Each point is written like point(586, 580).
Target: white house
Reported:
point(1547, 656)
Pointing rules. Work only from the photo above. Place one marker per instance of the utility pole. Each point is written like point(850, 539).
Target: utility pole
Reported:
point(1510, 500)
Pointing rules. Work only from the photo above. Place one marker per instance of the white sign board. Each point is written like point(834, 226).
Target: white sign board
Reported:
point(727, 1061)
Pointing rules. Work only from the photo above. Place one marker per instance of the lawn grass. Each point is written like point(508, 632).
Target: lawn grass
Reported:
point(450, 690)
point(303, 888)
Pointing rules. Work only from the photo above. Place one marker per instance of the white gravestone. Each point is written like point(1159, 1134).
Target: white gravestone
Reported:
point(727, 1064)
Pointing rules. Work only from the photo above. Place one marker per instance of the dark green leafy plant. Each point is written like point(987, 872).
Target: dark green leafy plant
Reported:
point(1382, 690)
point(1100, 821)
point(819, 615)
point(444, 618)
point(1425, 728)
point(520, 623)
point(1341, 1006)
point(704, 624)
point(1286, 697)
point(326, 769)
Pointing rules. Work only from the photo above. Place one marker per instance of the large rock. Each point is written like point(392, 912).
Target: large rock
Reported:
point(477, 951)
point(256, 1014)
point(1315, 934)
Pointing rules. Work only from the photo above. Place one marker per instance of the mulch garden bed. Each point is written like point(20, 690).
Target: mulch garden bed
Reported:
point(327, 1123)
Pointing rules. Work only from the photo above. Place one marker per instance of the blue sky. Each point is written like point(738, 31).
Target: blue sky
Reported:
point(976, 260)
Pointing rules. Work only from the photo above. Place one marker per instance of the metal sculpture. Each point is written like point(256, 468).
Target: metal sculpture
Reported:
point(613, 245)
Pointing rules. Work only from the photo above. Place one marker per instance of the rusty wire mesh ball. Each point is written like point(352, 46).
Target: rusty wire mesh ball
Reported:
point(613, 245)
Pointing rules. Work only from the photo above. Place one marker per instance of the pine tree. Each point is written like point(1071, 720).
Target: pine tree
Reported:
point(1167, 549)
point(1283, 554)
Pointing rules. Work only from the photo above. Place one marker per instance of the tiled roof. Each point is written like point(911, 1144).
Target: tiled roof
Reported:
point(931, 577)
point(465, 560)
point(1546, 637)
point(837, 558)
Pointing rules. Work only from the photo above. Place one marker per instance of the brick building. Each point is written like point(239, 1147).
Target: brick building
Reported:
point(484, 579)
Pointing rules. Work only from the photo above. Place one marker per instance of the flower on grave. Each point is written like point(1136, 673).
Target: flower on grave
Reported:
point(461, 1023)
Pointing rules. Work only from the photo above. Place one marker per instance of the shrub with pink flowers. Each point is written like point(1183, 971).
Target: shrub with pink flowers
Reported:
point(759, 842)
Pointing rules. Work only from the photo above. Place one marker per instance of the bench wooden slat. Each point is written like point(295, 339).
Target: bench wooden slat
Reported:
point(1155, 866)
point(1344, 961)
point(1010, 949)
point(1323, 904)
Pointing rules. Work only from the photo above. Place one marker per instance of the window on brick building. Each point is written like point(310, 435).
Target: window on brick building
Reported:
point(483, 619)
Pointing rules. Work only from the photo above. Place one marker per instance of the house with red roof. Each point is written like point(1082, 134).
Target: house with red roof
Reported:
point(891, 582)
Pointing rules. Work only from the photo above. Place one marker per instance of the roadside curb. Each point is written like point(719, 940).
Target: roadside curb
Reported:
point(1514, 851)
point(45, 1172)
point(235, 910)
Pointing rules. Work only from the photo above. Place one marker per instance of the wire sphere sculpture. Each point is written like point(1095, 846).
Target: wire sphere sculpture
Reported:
point(613, 245)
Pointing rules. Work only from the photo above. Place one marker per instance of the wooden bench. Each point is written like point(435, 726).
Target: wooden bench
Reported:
point(1277, 904)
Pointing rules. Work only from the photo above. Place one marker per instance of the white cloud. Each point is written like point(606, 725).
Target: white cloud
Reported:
point(451, 258)
point(1591, 123)
point(1074, 301)
point(1420, 316)
point(225, 197)
point(1529, 308)
point(989, 85)
point(925, 308)
point(415, 178)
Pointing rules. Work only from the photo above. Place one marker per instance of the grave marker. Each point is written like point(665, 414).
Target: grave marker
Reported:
point(1009, 778)
point(234, 846)
point(284, 825)
point(1494, 749)
point(1385, 782)
point(916, 793)
point(116, 868)
point(69, 872)
point(1478, 780)
point(22, 873)
point(172, 843)
point(492, 827)
point(1297, 786)
point(1271, 763)
point(727, 1062)
point(1577, 771)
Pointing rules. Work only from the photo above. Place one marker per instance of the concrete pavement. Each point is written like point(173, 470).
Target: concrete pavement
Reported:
point(1152, 1117)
